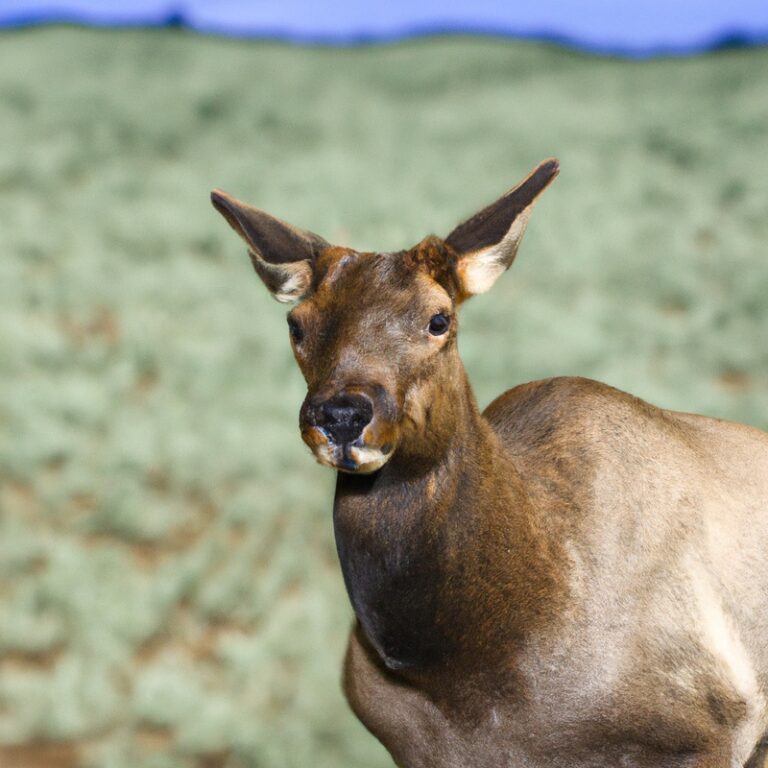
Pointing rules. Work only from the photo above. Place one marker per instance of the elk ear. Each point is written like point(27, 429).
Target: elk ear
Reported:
point(282, 255)
point(488, 242)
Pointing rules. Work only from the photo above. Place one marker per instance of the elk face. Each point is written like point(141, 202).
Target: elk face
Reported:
point(374, 334)
point(375, 326)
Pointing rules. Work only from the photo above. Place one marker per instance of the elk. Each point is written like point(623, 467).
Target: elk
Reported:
point(572, 577)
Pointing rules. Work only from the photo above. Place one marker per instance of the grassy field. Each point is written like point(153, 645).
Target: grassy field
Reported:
point(169, 591)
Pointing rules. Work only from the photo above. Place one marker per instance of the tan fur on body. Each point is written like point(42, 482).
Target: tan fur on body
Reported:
point(572, 578)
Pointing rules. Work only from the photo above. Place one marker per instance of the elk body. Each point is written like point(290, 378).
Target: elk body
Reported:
point(572, 577)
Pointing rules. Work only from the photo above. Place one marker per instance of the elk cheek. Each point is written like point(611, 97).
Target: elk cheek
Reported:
point(416, 406)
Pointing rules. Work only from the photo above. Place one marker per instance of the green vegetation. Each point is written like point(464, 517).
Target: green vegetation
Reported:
point(169, 592)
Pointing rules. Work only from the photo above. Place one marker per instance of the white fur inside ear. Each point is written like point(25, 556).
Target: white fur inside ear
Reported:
point(479, 270)
point(296, 284)
point(288, 281)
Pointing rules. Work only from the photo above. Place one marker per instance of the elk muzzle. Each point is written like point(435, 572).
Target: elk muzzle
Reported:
point(350, 430)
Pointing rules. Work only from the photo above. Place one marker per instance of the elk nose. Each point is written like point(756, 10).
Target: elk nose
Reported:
point(344, 417)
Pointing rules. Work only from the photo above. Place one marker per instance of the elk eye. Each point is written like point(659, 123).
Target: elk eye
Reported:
point(295, 330)
point(439, 324)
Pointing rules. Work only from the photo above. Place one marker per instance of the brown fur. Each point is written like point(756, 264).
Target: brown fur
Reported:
point(572, 578)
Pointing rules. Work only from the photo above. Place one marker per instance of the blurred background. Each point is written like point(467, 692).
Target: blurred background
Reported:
point(169, 588)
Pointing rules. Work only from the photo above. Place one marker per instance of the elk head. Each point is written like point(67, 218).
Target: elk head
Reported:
point(375, 333)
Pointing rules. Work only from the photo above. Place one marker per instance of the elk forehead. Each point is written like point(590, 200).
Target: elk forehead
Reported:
point(341, 271)
point(332, 263)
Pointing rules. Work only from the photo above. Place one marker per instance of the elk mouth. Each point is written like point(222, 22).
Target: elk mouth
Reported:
point(360, 456)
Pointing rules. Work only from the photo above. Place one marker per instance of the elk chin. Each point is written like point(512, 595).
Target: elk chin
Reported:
point(366, 459)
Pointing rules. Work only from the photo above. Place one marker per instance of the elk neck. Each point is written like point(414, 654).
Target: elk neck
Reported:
point(440, 551)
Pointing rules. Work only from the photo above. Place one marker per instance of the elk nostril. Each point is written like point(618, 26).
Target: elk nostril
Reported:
point(344, 417)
